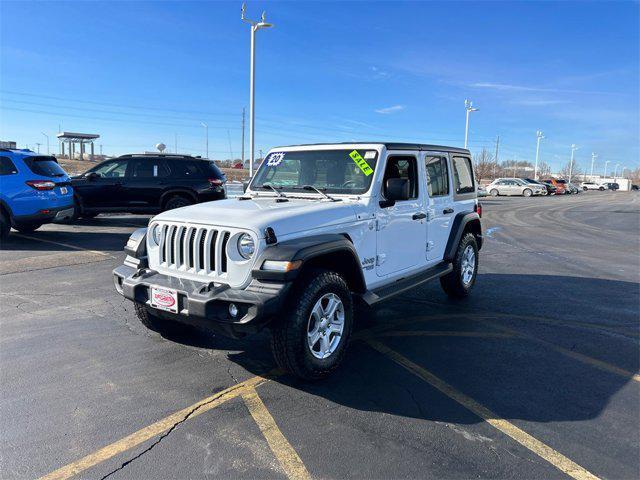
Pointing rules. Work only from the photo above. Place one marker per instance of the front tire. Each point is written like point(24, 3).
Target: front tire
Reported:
point(310, 341)
point(459, 282)
point(601, 189)
point(494, 192)
point(527, 192)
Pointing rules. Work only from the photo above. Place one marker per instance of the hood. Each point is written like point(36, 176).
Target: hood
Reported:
point(259, 213)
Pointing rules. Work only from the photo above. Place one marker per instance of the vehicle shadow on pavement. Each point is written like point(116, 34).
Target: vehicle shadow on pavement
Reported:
point(65, 241)
point(521, 366)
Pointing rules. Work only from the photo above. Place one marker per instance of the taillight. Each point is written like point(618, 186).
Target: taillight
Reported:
point(215, 182)
point(478, 209)
point(41, 184)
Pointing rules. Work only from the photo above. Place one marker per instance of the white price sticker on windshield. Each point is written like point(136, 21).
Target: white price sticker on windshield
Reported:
point(369, 155)
point(275, 159)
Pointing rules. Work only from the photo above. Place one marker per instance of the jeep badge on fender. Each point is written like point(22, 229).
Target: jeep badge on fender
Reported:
point(319, 228)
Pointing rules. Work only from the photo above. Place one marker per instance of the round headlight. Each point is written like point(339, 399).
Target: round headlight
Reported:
point(246, 246)
point(155, 234)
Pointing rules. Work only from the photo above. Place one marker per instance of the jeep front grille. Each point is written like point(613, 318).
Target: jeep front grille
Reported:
point(200, 250)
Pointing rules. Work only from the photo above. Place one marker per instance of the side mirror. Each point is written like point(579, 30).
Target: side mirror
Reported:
point(396, 189)
point(91, 176)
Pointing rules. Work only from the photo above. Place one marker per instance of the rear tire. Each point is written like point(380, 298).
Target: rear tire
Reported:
point(494, 193)
point(601, 189)
point(527, 192)
point(5, 225)
point(177, 201)
point(585, 189)
point(459, 282)
point(311, 340)
point(89, 214)
point(27, 227)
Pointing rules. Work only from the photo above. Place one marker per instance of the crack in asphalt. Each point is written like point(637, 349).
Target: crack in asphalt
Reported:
point(189, 414)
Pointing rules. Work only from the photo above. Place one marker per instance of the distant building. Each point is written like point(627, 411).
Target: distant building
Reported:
point(11, 145)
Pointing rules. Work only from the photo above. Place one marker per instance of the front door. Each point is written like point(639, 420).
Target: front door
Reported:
point(439, 204)
point(101, 187)
point(401, 228)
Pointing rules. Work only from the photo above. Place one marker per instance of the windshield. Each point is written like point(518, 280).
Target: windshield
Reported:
point(345, 171)
point(45, 166)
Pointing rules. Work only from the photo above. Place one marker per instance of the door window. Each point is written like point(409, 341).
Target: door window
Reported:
point(7, 167)
point(185, 169)
point(114, 169)
point(437, 176)
point(406, 167)
point(462, 176)
point(148, 168)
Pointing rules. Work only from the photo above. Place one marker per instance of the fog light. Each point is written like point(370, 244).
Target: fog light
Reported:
point(233, 310)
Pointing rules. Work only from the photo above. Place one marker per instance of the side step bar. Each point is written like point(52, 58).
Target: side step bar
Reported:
point(372, 297)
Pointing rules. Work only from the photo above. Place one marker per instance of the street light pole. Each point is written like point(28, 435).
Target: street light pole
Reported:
point(206, 130)
point(604, 174)
point(468, 106)
point(574, 147)
point(47, 137)
point(593, 159)
point(255, 26)
point(615, 174)
point(539, 137)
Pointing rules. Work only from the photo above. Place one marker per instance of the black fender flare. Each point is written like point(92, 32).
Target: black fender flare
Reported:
point(185, 192)
point(5, 206)
point(460, 223)
point(310, 250)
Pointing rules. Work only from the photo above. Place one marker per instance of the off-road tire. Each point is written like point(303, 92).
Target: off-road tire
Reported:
point(151, 321)
point(27, 227)
point(452, 282)
point(527, 192)
point(5, 225)
point(493, 192)
point(177, 201)
point(289, 334)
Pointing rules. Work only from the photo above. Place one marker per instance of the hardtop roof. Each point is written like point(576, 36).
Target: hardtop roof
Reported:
point(390, 146)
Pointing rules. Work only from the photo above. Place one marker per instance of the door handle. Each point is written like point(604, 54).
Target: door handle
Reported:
point(419, 216)
point(447, 211)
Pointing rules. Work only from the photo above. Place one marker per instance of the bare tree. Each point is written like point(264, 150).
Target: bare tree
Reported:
point(483, 164)
point(544, 169)
point(567, 168)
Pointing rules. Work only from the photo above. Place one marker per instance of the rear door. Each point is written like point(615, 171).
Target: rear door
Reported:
point(439, 204)
point(146, 180)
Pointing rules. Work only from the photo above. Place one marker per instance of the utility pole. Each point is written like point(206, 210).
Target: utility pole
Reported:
point(242, 154)
point(468, 106)
point(47, 137)
point(206, 130)
point(593, 160)
point(255, 26)
point(574, 147)
point(495, 160)
point(539, 137)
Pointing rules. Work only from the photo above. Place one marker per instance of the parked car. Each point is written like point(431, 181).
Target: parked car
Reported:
point(482, 191)
point(34, 190)
point(301, 246)
point(147, 184)
point(573, 188)
point(591, 186)
point(568, 189)
point(611, 186)
point(635, 187)
point(531, 181)
point(514, 186)
point(559, 184)
point(551, 189)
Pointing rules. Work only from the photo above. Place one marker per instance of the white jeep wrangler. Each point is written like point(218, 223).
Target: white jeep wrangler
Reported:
point(319, 229)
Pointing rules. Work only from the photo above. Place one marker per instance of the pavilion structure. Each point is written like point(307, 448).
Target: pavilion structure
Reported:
point(81, 139)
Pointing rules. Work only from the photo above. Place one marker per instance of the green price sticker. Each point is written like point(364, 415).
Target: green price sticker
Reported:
point(361, 162)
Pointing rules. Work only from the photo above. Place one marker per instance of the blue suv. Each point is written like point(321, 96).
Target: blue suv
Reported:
point(34, 190)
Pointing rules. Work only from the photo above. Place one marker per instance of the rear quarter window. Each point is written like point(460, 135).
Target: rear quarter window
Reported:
point(462, 175)
point(212, 169)
point(186, 169)
point(7, 167)
point(44, 166)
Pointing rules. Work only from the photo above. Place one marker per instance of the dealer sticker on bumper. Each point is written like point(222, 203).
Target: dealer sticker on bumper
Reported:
point(164, 299)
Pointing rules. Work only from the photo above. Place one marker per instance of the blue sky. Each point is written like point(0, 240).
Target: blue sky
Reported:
point(139, 73)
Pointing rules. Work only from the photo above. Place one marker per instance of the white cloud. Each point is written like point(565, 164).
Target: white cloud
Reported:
point(393, 109)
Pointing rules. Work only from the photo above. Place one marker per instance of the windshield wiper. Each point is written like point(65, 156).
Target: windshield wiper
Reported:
point(281, 196)
point(311, 187)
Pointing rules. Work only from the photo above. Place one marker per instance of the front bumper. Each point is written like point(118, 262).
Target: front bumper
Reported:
point(206, 305)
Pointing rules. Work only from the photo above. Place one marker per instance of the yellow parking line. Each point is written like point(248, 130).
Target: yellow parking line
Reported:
point(281, 448)
point(61, 244)
point(427, 333)
point(594, 362)
point(544, 451)
point(153, 430)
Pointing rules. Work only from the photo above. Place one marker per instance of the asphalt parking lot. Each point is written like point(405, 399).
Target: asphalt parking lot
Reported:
point(534, 376)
